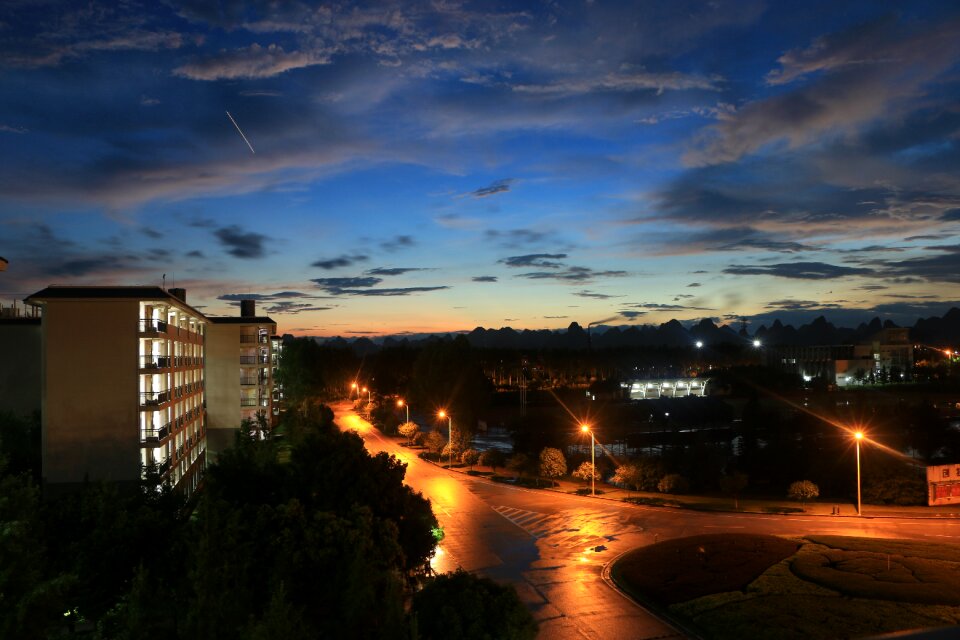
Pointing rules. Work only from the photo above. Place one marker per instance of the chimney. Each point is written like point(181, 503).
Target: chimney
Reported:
point(248, 308)
point(178, 293)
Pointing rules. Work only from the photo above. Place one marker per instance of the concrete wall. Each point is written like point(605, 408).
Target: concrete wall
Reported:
point(90, 359)
point(222, 376)
point(20, 366)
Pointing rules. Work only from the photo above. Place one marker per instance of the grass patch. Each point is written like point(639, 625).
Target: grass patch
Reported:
point(842, 589)
point(686, 568)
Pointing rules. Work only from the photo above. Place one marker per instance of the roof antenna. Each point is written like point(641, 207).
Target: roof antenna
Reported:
point(164, 282)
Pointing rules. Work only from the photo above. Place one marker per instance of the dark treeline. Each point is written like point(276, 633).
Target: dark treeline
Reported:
point(300, 536)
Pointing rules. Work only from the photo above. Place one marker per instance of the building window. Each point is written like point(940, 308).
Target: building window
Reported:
point(946, 472)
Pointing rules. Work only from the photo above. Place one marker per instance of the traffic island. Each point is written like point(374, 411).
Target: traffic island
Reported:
point(730, 586)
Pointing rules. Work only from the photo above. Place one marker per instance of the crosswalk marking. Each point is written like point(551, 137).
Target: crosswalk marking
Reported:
point(562, 530)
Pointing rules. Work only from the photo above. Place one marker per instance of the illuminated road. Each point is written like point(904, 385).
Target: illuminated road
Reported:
point(543, 542)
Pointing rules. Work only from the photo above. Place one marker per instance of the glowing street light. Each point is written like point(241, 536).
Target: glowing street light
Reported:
point(354, 387)
point(858, 436)
point(699, 344)
point(369, 396)
point(756, 343)
point(593, 462)
point(443, 414)
point(401, 403)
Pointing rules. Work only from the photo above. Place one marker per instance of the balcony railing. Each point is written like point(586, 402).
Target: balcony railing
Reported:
point(150, 398)
point(155, 362)
point(248, 402)
point(248, 381)
point(254, 359)
point(149, 325)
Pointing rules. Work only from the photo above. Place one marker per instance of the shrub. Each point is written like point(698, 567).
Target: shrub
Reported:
point(408, 430)
point(586, 472)
point(492, 458)
point(803, 490)
point(673, 483)
point(435, 441)
point(469, 457)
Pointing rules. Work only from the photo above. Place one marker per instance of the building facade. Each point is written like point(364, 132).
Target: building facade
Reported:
point(20, 364)
point(943, 483)
point(242, 357)
point(122, 385)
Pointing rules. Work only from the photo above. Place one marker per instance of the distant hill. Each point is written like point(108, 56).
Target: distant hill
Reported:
point(672, 334)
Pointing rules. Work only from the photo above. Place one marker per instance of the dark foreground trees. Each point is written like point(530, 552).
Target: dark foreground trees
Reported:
point(460, 605)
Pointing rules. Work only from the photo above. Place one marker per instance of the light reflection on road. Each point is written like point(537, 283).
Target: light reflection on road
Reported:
point(553, 547)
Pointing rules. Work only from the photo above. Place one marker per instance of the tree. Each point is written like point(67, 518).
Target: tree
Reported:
point(733, 484)
point(628, 475)
point(470, 457)
point(408, 430)
point(586, 472)
point(552, 463)
point(461, 605)
point(492, 458)
point(803, 490)
point(673, 483)
point(520, 463)
point(435, 441)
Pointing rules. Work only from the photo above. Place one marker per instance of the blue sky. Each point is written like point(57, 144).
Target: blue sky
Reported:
point(438, 166)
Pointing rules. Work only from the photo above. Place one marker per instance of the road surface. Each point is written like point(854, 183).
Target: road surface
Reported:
point(553, 546)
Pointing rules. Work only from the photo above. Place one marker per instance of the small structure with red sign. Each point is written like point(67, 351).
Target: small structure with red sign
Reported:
point(944, 484)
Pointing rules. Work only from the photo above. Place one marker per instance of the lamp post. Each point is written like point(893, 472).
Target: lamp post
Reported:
point(858, 436)
point(443, 414)
point(354, 387)
point(401, 403)
point(369, 397)
point(593, 462)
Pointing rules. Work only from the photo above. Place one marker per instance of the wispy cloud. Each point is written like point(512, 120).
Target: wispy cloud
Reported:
point(329, 264)
point(542, 260)
point(798, 270)
point(242, 244)
point(500, 186)
point(254, 61)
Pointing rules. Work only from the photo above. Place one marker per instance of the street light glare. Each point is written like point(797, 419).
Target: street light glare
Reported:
point(699, 344)
point(858, 435)
point(400, 402)
point(756, 343)
point(442, 413)
point(585, 428)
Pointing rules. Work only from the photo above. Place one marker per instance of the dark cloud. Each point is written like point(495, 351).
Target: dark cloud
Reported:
point(572, 274)
point(630, 315)
point(340, 261)
point(595, 296)
point(796, 305)
point(399, 242)
point(242, 244)
point(797, 270)
point(151, 233)
point(873, 287)
point(344, 283)
point(656, 306)
point(737, 238)
point(500, 186)
point(87, 266)
point(234, 297)
point(944, 267)
point(393, 271)
point(484, 278)
point(195, 254)
point(516, 237)
point(542, 260)
point(951, 215)
point(385, 292)
point(555, 317)
point(693, 284)
point(286, 307)
point(362, 286)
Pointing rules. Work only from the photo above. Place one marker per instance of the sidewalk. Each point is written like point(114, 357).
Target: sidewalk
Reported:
point(726, 503)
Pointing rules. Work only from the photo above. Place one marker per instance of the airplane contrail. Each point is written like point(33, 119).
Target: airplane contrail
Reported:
point(241, 133)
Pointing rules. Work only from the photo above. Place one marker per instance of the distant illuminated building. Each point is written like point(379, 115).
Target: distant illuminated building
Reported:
point(943, 482)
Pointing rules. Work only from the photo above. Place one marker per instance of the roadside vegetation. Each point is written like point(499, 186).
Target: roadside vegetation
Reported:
point(731, 586)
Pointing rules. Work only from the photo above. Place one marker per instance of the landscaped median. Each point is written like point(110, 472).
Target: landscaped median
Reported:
point(728, 586)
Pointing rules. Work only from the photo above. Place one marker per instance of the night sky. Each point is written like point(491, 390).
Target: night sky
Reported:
point(423, 167)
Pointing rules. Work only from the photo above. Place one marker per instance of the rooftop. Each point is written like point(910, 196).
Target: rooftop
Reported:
point(65, 292)
point(241, 320)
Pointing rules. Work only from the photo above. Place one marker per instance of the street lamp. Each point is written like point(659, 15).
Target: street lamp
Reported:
point(699, 344)
point(443, 414)
point(369, 397)
point(354, 387)
point(756, 343)
point(401, 403)
point(858, 436)
point(593, 462)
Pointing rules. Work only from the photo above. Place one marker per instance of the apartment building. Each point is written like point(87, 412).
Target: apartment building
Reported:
point(121, 385)
point(20, 364)
point(242, 358)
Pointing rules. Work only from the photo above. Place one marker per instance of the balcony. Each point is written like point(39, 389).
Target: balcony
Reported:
point(151, 363)
point(254, 359)
point(248, 402)
point(149, 325)
point(154, 436)
point(153, 399)
point(248, 381)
